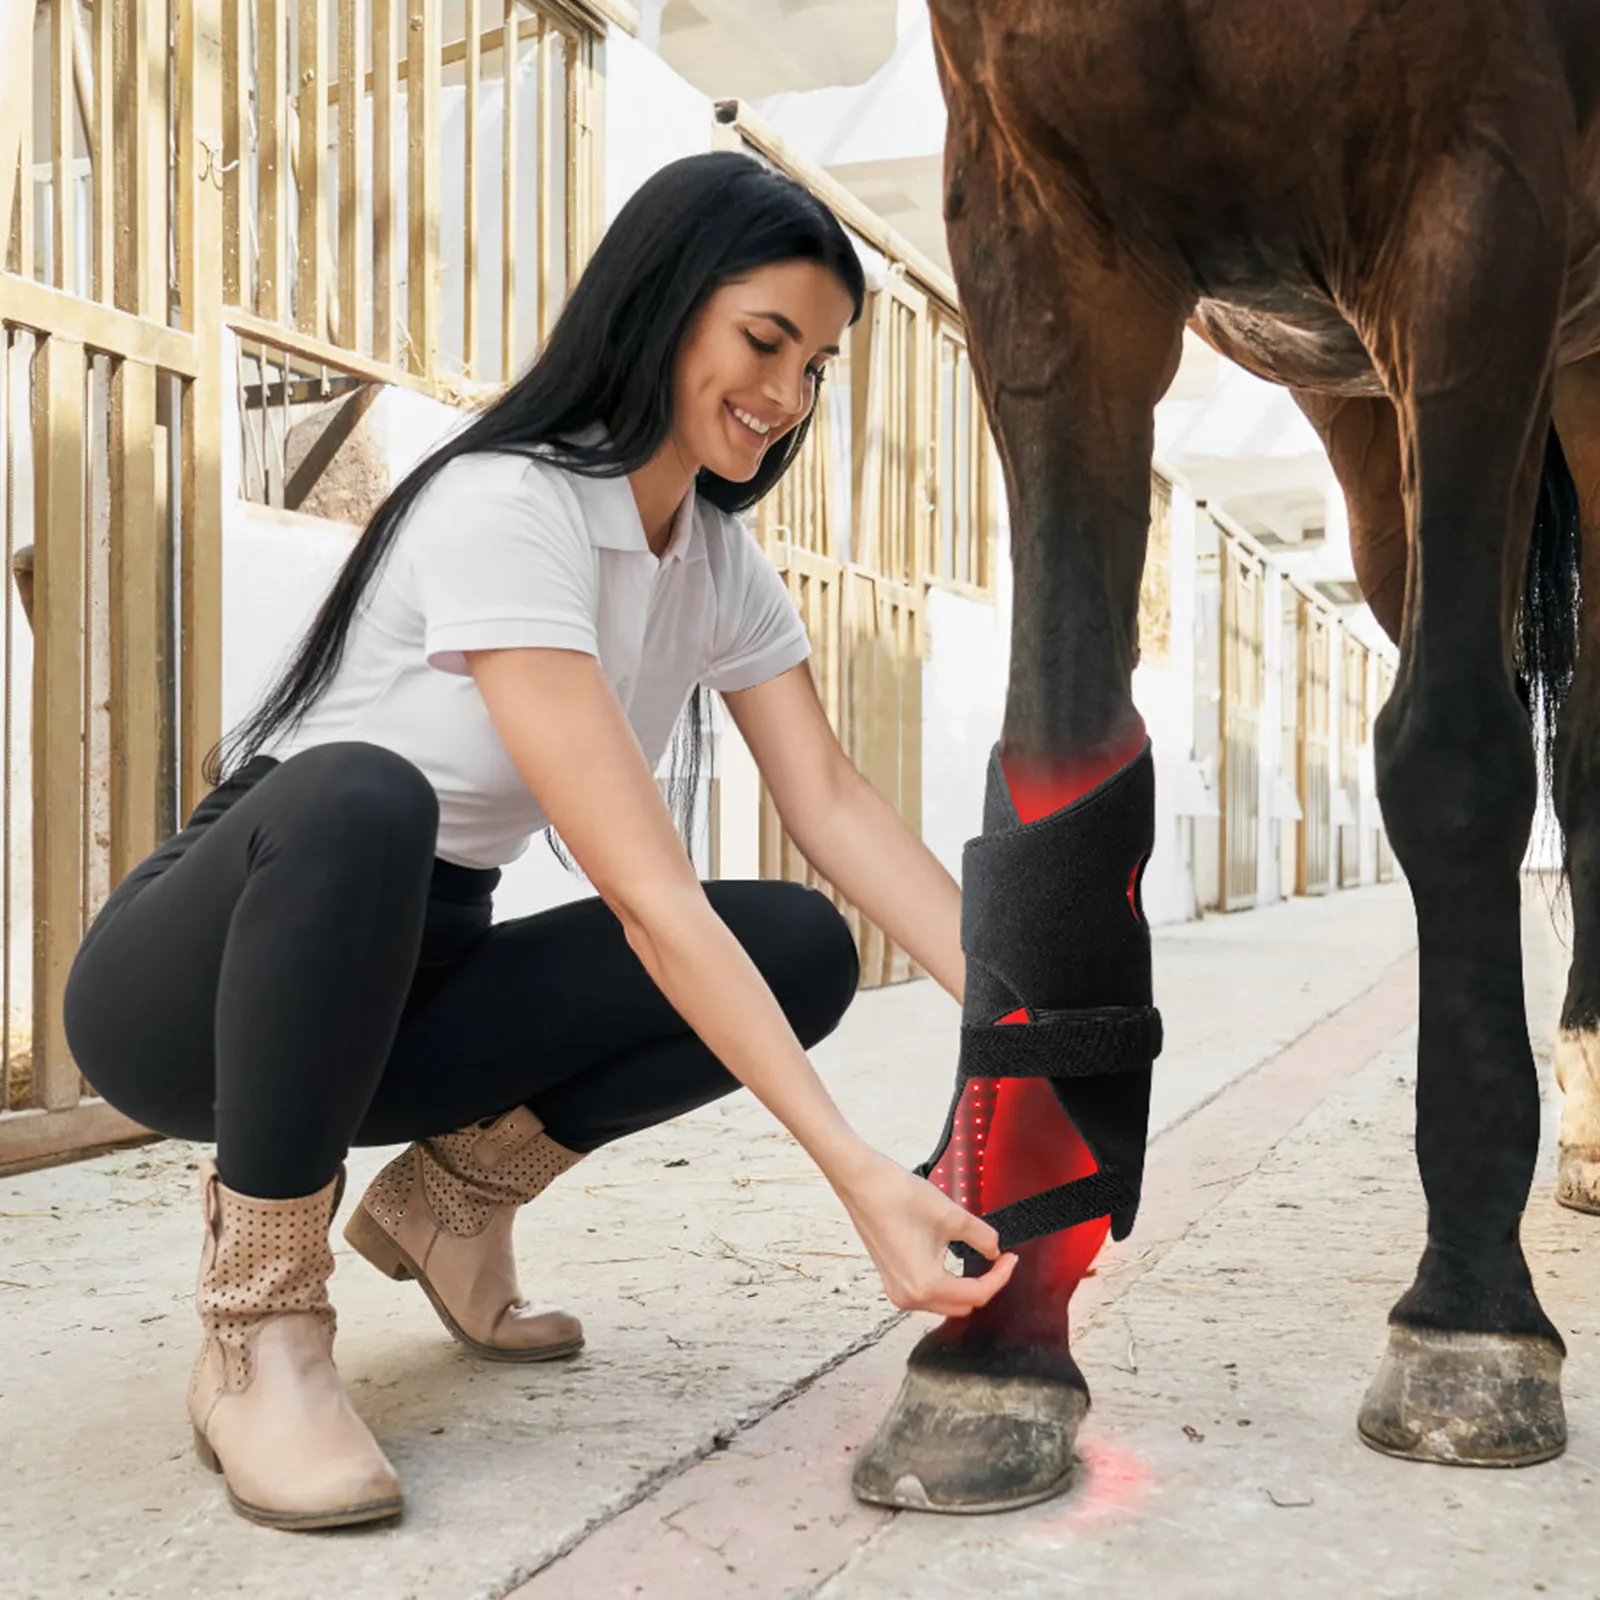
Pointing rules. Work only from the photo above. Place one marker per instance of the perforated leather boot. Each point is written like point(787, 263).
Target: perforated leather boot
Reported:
point(268, 1408)
point(442, 1211)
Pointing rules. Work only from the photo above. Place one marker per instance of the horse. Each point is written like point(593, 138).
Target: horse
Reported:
point(1391, 207)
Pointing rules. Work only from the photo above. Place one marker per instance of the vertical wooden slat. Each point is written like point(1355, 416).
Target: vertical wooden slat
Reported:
point(422, 184)
point(235, 79)
point(16, 136)
point(311, 130)
point(552, 102)
point(272, 194)
point(138, 706)
point(104, 138)
point(509, 53)
point(385, 278)
point(199, 74)
point(469, 207)
point(58, 675)
point(352, 166)
point(156, 158)
point(63, 141)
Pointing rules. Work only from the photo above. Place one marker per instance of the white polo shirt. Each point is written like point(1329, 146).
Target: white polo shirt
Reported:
point(501, 551)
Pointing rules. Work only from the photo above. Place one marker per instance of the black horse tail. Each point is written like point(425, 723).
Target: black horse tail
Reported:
point(1548, 627)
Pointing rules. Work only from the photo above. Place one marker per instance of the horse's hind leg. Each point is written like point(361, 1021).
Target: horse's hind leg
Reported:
point(1578, 806)
point(1472, 1374)
point(1073, 355)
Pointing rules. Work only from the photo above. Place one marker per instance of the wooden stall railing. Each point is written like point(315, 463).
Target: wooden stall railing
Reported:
point(1314, 756)
point(110, 424)
point(462, 196)
point(1243, 681)
point(1353, 736)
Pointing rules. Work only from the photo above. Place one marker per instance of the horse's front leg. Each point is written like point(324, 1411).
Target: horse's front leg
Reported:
point(1048, 1131)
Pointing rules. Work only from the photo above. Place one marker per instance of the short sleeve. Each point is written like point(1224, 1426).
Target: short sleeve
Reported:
point(766, 636)
point(500, 560)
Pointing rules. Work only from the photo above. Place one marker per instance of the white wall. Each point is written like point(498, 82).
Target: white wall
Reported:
point(652, 117)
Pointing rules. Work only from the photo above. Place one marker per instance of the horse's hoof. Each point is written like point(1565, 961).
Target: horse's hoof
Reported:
point(962, 1442)
point(1466, 1399)
point(1578, 1177)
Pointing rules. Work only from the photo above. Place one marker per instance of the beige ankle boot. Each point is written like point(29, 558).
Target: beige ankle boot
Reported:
point(441, 1212)
point(268, 1408)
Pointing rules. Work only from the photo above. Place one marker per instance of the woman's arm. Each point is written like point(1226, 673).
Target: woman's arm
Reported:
point(846, 829)
point(564, 729)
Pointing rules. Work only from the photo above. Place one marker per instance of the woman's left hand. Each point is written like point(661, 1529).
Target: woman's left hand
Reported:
point(907, 1226)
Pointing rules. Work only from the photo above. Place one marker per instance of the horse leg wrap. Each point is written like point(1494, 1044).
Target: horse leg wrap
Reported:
point(1058, 951)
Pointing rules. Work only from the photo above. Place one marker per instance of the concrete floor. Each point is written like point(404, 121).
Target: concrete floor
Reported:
point(740, 1349)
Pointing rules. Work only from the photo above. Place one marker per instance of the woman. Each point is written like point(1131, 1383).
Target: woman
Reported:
point(310, 964)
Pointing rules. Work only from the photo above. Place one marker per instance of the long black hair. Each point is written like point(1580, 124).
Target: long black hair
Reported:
point(610, 359)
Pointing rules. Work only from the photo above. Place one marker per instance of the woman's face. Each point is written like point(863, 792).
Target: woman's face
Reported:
point(748, 369)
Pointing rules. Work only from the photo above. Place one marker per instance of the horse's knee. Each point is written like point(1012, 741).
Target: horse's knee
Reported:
point(1456, 779)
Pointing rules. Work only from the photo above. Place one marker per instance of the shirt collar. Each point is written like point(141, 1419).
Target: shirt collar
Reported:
point(613, 514)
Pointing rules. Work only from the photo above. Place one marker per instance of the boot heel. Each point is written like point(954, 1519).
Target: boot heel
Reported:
point(368, 1239)
point(208, 1456)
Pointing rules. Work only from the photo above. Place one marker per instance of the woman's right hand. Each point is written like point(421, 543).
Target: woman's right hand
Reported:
point(907, 1226)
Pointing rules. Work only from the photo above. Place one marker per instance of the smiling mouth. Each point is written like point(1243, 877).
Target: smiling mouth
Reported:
point(755, 433)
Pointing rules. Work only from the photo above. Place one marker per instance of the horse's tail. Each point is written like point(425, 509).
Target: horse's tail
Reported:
point(1547, 630)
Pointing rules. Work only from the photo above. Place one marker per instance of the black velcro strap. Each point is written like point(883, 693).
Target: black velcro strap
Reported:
point(1063, 1044)
point(1051, 1211)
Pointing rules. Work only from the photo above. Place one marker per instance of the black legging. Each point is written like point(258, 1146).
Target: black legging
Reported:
point(295, 973)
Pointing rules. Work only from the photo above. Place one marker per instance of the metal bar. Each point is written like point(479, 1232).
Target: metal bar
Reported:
point(469, 243)
point(200, 515)
point(352, 164)
point(117, 333)
point(63, 147)
point(272, 197)
point(508, 195)
point(385, 281)
point(311, 139)
point(422, 184)
point(138, 575)
point(58, 768)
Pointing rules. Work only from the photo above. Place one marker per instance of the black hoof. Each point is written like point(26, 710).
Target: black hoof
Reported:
point(964, 1443)
point(1466, 1399)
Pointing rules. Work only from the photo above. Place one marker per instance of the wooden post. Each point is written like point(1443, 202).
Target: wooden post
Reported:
point(58, 677)
point(311, 117)
point(385, 279)
point(508, 196)
point(63, 146)
point(200, 294)
point(422, 185)
point(139, 576)
point(352, 169)
point(469, 204)
point(272, 198)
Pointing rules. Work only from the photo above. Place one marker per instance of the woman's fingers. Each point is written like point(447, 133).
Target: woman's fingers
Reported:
point(964, 1295)
point(979, 1234)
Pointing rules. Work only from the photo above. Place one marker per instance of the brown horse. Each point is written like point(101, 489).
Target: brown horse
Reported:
point(1393, 208)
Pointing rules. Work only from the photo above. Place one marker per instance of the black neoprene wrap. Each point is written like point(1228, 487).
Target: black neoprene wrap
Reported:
point(1051, 922)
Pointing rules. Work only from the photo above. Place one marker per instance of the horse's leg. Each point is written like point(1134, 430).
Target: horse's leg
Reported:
point(1462, 324)
point(1361, 434)
point(1578, 806)
point(1073, 351)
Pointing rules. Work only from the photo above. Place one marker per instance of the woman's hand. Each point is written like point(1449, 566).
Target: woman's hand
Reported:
point(907, 1225)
